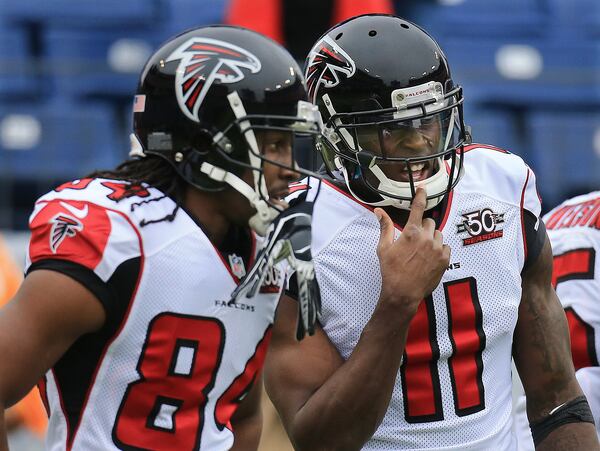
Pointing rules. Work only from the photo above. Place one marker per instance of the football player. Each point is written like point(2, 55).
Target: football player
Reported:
point(125, 316)
point(574, 231)
point(391, 370)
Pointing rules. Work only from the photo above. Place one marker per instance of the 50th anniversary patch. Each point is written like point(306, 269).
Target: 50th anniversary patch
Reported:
point(480, 225)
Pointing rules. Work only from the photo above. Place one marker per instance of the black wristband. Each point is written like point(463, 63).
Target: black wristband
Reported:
point(575, 411)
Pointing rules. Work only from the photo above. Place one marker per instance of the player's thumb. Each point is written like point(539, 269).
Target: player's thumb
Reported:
point(386, 228)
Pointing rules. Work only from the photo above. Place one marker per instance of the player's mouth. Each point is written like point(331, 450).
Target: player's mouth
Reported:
point(277, 199)
point(420, 171)
point(280, 195)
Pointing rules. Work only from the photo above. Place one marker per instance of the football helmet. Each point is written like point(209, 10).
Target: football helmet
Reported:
point(393, 118)
point(202, 96)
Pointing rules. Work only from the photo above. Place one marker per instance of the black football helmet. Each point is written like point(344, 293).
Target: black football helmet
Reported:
point(200, 99)
point(393, 118)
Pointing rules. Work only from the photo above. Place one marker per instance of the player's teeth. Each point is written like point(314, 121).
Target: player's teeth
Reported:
point(417, 166)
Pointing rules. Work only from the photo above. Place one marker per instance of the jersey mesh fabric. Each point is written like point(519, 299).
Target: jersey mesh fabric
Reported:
point(186, 283)
point(350, 280)
point(582, 295)
point(582, 292)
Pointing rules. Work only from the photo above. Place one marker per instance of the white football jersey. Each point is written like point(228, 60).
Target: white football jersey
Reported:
point(453, 390)
point(174, 359)
point(574, 231)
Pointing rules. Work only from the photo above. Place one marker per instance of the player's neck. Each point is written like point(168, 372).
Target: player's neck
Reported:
point(206, 209)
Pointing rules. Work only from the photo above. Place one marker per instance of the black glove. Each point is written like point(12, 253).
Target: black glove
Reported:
point(289, 238)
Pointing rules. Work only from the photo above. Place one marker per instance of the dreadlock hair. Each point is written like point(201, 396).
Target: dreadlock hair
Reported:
point(154, 171)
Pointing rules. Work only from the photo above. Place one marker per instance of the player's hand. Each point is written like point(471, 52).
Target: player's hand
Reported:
point(411, 266)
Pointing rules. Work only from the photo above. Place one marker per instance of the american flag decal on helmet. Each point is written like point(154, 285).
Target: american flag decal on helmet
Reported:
point(204, 61)
point(327, 60)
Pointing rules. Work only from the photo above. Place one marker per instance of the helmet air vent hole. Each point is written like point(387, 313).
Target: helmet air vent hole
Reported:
point(372, 33)
point(404, 26)
point(339, 36)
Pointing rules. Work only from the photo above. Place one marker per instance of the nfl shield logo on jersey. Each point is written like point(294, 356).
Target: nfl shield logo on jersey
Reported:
point(237, 266)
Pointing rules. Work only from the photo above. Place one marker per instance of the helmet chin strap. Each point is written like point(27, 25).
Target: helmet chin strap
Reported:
point(437, 183)
point(386, 202)
point(257, 195)
point(265, 213)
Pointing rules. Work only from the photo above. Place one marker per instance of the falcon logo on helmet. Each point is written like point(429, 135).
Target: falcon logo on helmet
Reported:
point(325, 62)
point(63, 226)
point(204, 61)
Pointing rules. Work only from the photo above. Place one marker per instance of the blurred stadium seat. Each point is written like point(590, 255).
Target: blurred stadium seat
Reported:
point(102, 60)
point(496, 127)
point(180, 15)
point(482, 18)
point(564, 153)
point(83, 13)
point(96, 62)
point(575, 17)
point(17, 69)
point(57, 140)
point(527, 72)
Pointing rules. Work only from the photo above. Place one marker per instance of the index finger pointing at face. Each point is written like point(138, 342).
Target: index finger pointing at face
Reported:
point(417, 207)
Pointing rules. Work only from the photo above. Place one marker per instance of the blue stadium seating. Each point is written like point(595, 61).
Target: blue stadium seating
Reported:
point(17, 76)
point(575, 17)
point(480, 17)
point(494, 126)
point(180, 15)
point(107, 60)
point(564, 153)
point(97, 61)
point(82, 13)
point(58, 140)
point(527, 72)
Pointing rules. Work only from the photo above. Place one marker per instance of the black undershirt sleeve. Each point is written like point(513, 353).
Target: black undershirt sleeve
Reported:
point(535, 237)
point(84, 276)
point(74, 371)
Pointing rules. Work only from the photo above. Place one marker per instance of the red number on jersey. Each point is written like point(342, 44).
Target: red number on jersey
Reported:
point(76, 184)
point(420, 378)
point(164, 409)
point(573, 265)
point(239, 388)
point(468, 342)
point(123, 190)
